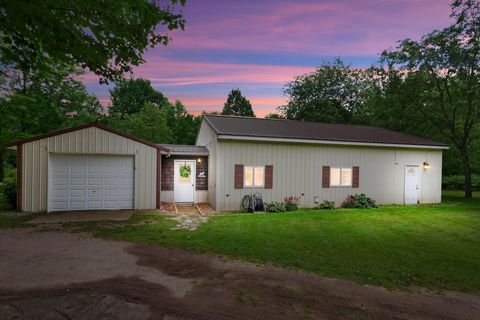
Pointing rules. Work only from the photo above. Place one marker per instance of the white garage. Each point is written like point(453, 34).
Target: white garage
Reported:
point(90, 182)
point(87, 167)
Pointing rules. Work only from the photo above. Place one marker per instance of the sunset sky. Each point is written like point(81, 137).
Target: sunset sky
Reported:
point(260, 45)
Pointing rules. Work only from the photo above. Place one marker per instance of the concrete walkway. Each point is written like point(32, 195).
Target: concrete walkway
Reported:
point(81, 216)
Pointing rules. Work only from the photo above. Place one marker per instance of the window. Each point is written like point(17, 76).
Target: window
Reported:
point(340, 177)
point(254, 176)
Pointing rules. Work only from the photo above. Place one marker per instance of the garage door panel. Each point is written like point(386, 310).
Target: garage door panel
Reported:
point(77, 205)
point(95, 181)
point(112, 204)
point(95, 204)
point(126, 181)
point(111, 181)
point(59, 205)
point(126, 193)
point(76, 169)
point(60, 193)
point(111, 170)
point(95, 170)
point(77, 181)
point(111, 193)
point(60, 168)
point(56, 181)
point(77, 193)
point(95, 193)
point(127, 204)
point(85, 182)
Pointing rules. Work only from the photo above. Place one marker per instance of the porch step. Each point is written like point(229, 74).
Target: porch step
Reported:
point(187, 209)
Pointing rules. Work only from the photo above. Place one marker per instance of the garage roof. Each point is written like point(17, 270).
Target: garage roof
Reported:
point(305, 130)
point(84, 126)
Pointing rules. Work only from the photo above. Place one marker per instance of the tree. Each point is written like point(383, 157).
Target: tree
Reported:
point(150, 123)
point(33, 104)
point(274, 115)
point(107, 37)
point(237, 105)
point(333, 93)
point(183, 125)
point(130, 95)
point(447, 62)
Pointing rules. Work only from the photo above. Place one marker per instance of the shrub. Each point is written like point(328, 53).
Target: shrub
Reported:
point(8, 190)
point(327, 205)
point(275, 207)
point(360, 201)
point(291, 203)
point(457, 182)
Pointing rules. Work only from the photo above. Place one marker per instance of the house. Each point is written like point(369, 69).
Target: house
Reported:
point(94, 167)
point(316, 161)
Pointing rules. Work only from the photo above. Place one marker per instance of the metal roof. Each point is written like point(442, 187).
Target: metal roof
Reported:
point(304, 130)
point(182, 149)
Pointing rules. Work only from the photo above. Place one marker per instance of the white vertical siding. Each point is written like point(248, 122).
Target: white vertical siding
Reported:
point(208, 138)
point(297, 169)
point(86, 141)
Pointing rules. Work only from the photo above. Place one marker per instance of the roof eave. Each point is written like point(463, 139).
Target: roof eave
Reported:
point(84, 126)
point(330, 142)
point(200, 154)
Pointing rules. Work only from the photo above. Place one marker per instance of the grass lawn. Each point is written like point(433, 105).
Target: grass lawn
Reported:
point(434, 246)
point(13, 219)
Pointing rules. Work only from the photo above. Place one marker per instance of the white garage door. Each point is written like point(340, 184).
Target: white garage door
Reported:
point(90, 182)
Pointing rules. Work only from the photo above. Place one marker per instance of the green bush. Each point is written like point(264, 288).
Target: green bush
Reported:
point(275, 207)
point(8, 189)
point(457, 182)
point(327, 205)
point(359, 201)
point(291, 203)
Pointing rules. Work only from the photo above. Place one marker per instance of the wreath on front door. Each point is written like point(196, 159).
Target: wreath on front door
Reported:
point(185, 171)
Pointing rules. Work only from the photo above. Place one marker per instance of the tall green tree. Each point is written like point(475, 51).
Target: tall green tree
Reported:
point(150, 123)
point(333, 93)
point(129, 96)
point(447, 62)
point(237, 105)
point(107, 37)
point(183, 125)
point(34, 104)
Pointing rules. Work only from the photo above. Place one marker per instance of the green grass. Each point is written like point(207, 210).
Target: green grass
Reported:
point(433, 246)
point(13, 219)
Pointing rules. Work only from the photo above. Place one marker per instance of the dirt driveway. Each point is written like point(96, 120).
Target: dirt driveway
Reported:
point(56, 275)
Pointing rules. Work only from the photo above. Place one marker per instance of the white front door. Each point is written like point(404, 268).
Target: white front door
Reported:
point(184, 181)
point(412, 184)
point(90, 182)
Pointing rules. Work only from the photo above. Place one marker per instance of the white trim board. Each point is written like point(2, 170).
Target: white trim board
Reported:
point(329, 142)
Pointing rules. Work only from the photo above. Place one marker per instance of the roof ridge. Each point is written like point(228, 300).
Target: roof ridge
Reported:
point(294, 120)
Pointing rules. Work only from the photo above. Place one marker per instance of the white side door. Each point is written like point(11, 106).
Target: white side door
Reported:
point(184, 181)
point(412, 184)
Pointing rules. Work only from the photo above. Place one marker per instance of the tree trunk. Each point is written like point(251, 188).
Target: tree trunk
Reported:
point(467, 172)
point(2, 170)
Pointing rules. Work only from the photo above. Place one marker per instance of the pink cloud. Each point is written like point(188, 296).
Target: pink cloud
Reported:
point(325, 28)
point(184, 73)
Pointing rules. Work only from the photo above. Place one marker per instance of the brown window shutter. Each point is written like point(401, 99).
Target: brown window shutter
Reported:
point(355, 177)
point(326, 177)
point(238, 176)
point(268, 176)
